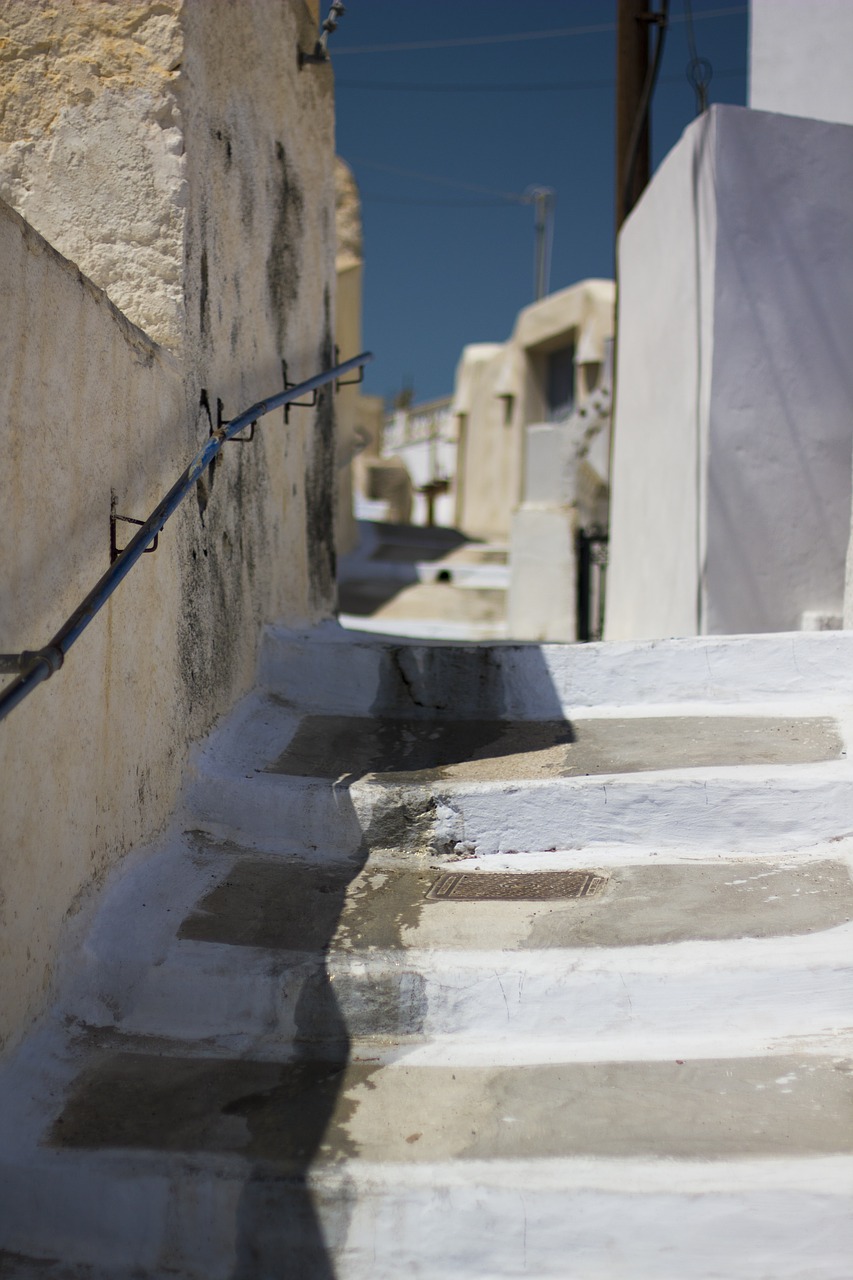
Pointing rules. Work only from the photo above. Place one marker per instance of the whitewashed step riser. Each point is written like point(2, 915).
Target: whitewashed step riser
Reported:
point(192, 1219)
point(746, 810)
point(554, 997)
point(343, 673)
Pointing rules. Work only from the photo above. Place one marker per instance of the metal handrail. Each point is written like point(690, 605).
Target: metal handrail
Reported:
point(37, 665)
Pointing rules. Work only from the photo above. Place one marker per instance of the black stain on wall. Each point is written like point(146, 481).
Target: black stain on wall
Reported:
point(320, 484)
point(283, 265)
point(204, 298)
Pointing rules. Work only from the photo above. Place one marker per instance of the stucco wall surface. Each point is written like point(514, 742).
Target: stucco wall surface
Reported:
point(781, 408)
point(259, 288)
point(500, 390)
point(731, 490)
point(799, 58)
point(91, 146)
point(664, 345)
point(90, 405)
point(353, 434)
point(92, 760)
point(488, 458)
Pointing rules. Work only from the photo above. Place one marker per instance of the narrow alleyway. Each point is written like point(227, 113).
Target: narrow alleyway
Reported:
point(467, 961)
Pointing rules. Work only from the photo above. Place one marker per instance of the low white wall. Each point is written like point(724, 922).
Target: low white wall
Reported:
point(799, 58)
point(781, 410)
point(666, 265)
point(731, 489)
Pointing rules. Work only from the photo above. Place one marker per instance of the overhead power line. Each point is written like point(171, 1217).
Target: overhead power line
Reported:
point(367, 197)
point(509, 197)
point(558, 33)
point(699, 70)
point(557, 86)
point(459, 42)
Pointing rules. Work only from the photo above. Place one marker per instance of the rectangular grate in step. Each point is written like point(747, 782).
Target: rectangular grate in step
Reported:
point(545, 886)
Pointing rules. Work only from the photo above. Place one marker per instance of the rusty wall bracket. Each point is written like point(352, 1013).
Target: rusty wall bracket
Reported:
point(115, 549)
point(349, 382)
point(311, 59)
point(296, 404)
point(223, 422)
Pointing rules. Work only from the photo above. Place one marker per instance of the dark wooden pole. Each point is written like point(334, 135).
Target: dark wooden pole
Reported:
point(632, 64)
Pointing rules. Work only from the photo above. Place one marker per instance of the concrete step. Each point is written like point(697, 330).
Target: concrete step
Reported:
point(339, 672)
point(739, 779)
point(200, 1165)
point(234, 947)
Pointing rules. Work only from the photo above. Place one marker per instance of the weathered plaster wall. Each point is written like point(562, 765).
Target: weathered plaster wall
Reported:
point(799, 58)
point(91, 146)
point(92, 760)
point(259, 290)
point(730, 508)
point(88, 405)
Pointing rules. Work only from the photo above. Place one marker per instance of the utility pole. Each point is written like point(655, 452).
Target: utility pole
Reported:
point(632, 67)
point(542, 199)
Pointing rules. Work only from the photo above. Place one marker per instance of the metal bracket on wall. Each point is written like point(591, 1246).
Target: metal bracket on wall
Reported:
point(296, 404)
point(115, 549)
point(223, 422)
point(349, 382)
point(309, 59)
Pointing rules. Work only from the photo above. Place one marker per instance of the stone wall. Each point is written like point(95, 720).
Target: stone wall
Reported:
point(234, 170)
point(92, 148)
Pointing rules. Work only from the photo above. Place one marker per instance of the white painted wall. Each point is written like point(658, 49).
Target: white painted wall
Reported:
point(781, 411)
point(799, 58)
point(733, 414)
point(666, 264)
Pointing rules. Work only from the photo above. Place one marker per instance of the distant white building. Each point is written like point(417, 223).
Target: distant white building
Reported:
point(424, 439)
point(546, 370)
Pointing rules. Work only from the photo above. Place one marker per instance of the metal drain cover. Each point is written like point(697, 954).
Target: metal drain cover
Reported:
point(492, 886)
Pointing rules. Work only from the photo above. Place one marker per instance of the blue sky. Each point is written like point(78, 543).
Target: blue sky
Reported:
point(446, 264)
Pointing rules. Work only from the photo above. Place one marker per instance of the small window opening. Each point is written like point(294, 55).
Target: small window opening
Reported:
point(560, 382)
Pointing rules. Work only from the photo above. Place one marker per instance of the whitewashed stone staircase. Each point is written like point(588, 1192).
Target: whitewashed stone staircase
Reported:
point(483, 961)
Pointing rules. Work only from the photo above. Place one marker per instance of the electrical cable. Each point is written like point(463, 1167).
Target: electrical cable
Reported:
point(510, 197)
point(699, 70)
point(559, 86)
point(509, 37)
point(369, 198)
